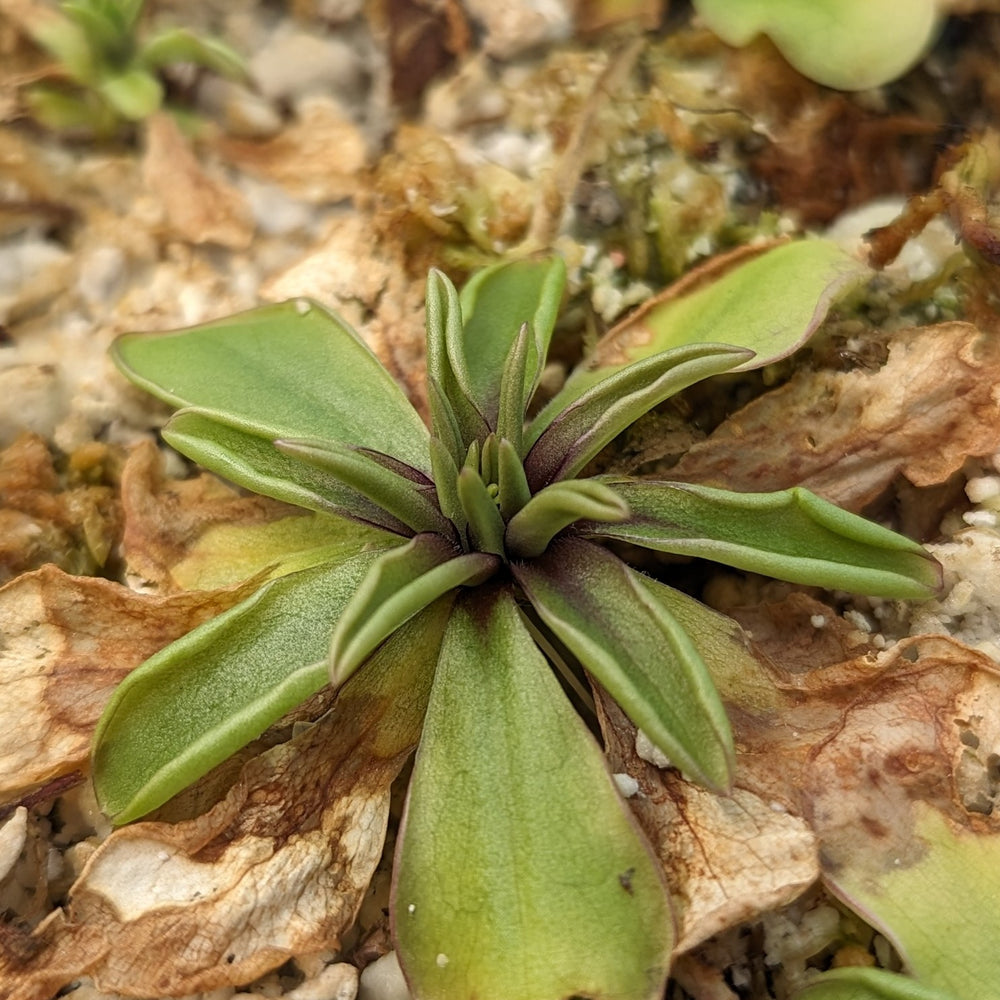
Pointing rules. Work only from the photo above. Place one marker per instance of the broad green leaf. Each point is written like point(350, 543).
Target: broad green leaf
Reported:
point(617, 625)
point(179, 45)
point(226, 553)
point(769, 305)
point(408, 501)
point(61, 111)
point(791, 535)
point(496, 303)
point(520, 874)
point(200, 699)
point(847, 44)
point(134, 94)
point(550, 510)
point(255, 463)
point(398, 585)
point(870, 984)
point(452, 403)
point(579, 432)
point(936, 906)
point(293, 370)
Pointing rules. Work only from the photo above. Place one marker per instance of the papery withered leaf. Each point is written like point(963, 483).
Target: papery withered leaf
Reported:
point(520, 873)
point(198, 701)
point(254, 462)
point(293, 370)
point(393, 492)
point(496, 302)
point(400, 583)
point(613, 620)
point(791, 535)
point(550, 510)
point(573, 437)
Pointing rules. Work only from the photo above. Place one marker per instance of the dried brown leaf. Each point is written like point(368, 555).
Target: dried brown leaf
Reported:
point(278, 868)
point(726, 858)
point(165, 518)
point(68, 641)
point(846, 435)
point(197, 207)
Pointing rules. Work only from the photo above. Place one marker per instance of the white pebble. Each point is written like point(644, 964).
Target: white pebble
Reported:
point(981, 488)
point(627, 785)
point(383, 980)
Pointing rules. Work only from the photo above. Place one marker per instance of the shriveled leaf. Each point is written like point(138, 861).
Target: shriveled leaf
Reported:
point(392, 490)
point(770, 305)
point(199, 205)
point(615, 622)
point(275, 870)
point(203, 697)
point(868, 984)
point(791, 535)
point(199, 533)
point(68, 642)
point(398, 584)
point(254, 462)
point(726, 859)
point(496, 302)
point(555, 507)
point(847, 435)
point(527, 834)
point(848, 44)
point(574, 436)
point(292, 370)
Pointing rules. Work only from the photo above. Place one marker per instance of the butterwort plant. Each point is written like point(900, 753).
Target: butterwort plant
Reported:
point(480, 557)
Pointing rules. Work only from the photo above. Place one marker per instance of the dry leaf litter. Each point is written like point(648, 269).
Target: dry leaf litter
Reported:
point(377, 140)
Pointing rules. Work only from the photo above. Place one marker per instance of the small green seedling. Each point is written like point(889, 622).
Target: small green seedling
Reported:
point(112, 76)
point(520, 874)
point(846, 44)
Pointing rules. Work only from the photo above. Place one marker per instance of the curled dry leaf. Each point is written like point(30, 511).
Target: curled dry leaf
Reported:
point(726, 858)
point(278, 868)
point(69, 641)
point(318, 158)
point(197, 207)
point(170, 523)
point(846, 435)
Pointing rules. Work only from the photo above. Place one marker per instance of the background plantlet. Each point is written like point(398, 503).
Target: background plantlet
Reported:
point(477, 551)
point(113, 76)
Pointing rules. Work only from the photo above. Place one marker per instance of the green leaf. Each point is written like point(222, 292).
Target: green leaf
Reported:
point(401, 582)
point(520, 875)
point(513, 403)
point(848, 44)
point(791, 535)
point(255, 463)
point(573, 437)
point(496, 302)
point(134, 94)
point(617, 625)
point(63, 112)
point(293, 370)
point(105, 29)
point(200, 699)
point(179, 45)
point(405, 499)
point(482, 515)
point(770, 305)
point(447, 366)
point(512, 484)
point(550, 510)
point(68, 43)
point(869, 984)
